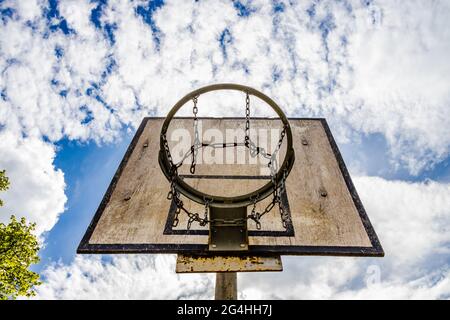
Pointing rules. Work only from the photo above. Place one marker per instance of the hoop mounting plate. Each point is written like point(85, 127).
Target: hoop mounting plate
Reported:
point(228, 229)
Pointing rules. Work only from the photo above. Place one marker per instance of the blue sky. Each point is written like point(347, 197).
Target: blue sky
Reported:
point(88, 170)
point(77, 77)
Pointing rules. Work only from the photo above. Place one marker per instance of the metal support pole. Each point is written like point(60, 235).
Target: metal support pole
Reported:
point(226, 286)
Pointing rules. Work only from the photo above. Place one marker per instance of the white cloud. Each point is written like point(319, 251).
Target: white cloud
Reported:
point(123, 277)
point(380, 67)
point(33, 76)
point(429, 287)
point(342, 278)
point(37, 187)
point(413, 219)
point(402, 77)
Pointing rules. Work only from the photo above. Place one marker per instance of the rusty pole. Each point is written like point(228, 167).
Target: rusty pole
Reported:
point(226, 286)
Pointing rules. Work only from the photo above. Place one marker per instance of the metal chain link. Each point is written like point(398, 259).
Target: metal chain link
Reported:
point(247, 119)
point(180, 206)
point(273, 163)
point(256, 216)
point(194, 147)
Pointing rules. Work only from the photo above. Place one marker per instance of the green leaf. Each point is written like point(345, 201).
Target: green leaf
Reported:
point(18, 250)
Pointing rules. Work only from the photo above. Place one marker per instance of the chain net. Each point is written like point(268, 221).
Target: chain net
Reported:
point(254, 150)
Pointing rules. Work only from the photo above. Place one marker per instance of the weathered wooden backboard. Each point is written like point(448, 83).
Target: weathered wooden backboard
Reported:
point(327, 216)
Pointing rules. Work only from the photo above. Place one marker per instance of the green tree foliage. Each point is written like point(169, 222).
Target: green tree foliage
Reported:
point(4, 183)
point(18, 250)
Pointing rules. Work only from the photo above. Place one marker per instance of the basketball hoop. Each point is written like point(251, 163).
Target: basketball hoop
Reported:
point(230, 211)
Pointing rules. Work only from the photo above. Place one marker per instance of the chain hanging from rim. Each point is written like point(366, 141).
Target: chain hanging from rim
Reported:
point(197, 143)
point(254, 150)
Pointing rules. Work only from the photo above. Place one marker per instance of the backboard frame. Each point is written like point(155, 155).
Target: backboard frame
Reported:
point(375, 250)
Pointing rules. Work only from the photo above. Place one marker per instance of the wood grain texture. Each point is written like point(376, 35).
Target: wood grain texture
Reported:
point(322, 208)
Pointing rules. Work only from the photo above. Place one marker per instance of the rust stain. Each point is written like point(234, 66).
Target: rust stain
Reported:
point(186, 264)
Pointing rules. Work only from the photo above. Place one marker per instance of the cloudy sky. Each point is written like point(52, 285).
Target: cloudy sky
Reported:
point(78, 76)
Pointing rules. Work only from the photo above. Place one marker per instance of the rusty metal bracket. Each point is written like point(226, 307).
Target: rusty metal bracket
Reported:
point(228, 229)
